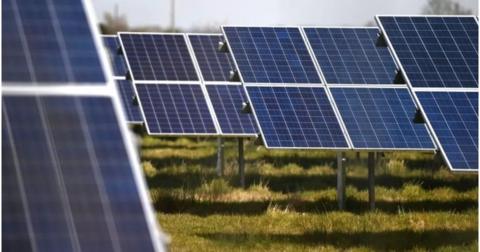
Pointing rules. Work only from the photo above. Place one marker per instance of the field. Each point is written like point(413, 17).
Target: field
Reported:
point(290, 201)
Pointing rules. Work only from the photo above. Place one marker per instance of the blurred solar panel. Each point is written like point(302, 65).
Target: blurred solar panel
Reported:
point(214, 65)
point(296, 117)
point(454, 120)
point(227, 102)
point(48, 42)
point(69, 182)
point(67, 178)
point(349, 56)
point(175, 109)
point(129, 103)
point(117, 61)
point(435, 51)
point(158, 57)
point(381, 118)
point(271, 55)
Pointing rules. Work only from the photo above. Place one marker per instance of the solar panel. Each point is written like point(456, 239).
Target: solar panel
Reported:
point(48, 42)
point(67, 178)
point(435, 51)
point(454, 120)
point(296, 117)
point(129, 103)
point(158, 57)
point(214, 65)
point(271, 55)
point(381, 118)
point(227, 102)
point(70, 178)
point(117, 61)
point(350, 56)
point(175, 109)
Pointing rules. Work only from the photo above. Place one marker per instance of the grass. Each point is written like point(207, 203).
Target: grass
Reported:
point(289, 203)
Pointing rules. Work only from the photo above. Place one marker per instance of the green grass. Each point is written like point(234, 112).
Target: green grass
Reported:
point(289, 203)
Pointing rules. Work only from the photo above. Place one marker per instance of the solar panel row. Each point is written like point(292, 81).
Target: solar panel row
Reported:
point(374, 118)
point(173, 108)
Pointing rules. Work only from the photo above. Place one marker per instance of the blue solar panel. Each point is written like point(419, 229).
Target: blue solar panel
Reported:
point(214, 65)
point(454, 119)
point(131, 108)
point(68, 184)
point(227, 102)
point(271, 55)
point(435, 51)
point(117, 61)
point(296, 117)
point(349, 56)
point(175, 109)
point(381, 118)
point(157, 57)
point(48, 42)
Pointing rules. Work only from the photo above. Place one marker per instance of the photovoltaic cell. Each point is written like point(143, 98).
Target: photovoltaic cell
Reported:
point(381, 118)
point(214, 65)
point(350, 56)
point(117, 61)
point(227, 102)
point(157, 57)
point(454, 119)
point(48, 42)
point(130, 105)
point(296, 117)
point(175, 109)
point(435, 51)
point(271, 55)
point(67, 179)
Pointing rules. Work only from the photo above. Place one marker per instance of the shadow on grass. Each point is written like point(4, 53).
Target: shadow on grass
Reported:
point(294, 183)
point(378, 241)
point(168, 204)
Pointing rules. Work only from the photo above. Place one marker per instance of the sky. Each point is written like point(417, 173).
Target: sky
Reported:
point(194, 14)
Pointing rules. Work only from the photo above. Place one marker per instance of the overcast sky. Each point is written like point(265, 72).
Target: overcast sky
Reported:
point(191, 14)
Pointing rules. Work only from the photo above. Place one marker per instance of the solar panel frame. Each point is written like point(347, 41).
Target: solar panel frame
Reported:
point(261, 133)
point(222, 133)
point(324, 79)
point(428, 89)
point(174, 82)
point(329, 86)
point(109, 90)
point(377, 86)
point(242, 79)
point(319, 85)
point(170, 134)
point(397, 58)
point(119, 34)
point(430, 125)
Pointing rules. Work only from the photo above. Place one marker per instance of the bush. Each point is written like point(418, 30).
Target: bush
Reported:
point(149, 170)
point(214, 189)
point(395, 166)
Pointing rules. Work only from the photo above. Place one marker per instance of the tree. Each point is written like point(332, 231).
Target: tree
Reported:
point(114, 22)
point(445, 7)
